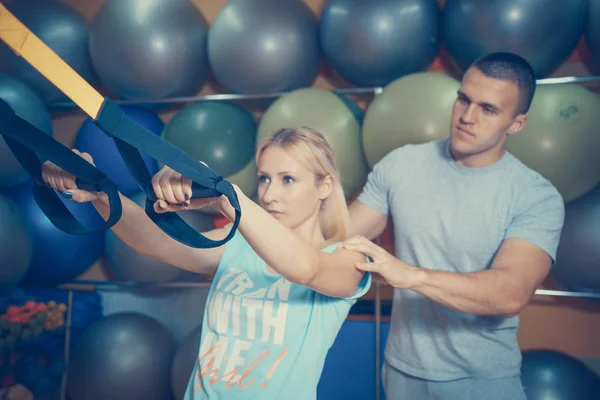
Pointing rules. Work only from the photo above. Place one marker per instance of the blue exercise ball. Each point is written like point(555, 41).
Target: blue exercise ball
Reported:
point(122, 356)
point(262, 46)
point(552, 375)
point(58, 257)
point(543, 33)
point(16, 246)
point(31, 108)
point(373, 43)
point(150, 48)
point(92, 140)
point(61, 27)
point(129, 265)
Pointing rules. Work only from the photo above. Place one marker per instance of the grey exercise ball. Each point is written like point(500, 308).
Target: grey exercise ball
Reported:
point(371, 43)
point(129, 265)
point(150, 48)
point(122, 356)
point(259, 46)
point(183, 362)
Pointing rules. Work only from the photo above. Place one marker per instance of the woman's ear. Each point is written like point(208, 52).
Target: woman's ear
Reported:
point(326, 187)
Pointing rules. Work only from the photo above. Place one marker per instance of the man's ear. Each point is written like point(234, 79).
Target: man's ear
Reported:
point(518, 124)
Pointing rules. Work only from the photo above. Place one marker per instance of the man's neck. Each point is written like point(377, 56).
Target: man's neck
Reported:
point(480, 160)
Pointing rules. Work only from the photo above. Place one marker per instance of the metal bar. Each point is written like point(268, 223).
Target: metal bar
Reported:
point(63, 386)
point(229, 96)
point(564, 293)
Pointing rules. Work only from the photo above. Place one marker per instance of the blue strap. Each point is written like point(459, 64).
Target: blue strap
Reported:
point(131, 138)
point(32, 148)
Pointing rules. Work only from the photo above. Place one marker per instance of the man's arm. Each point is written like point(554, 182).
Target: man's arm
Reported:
point(505, 289)
point(365, 221)
point(517, 270)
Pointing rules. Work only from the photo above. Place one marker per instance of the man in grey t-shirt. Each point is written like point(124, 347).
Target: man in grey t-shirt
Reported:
point(476, 232)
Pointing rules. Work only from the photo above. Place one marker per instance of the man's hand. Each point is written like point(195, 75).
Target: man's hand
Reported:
point(392, 270)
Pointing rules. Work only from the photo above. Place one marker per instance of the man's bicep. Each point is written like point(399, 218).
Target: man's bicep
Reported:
point(366, 221)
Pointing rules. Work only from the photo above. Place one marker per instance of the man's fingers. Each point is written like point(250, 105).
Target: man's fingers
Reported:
point(368, 267)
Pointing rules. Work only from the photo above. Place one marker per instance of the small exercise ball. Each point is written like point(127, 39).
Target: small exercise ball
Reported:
point(32, 109)
point(543, 33)
point(62, 28)
point(122, 356)
point(592, 30)
point(263, 46)
point(322, 110)
point(129, 265)
point(59, 257)
point(578, 251)
point(560, 139)
point(183, 362)
point(150, 48)
point(552, 375)
point(372, 43)
point(221, 134)
point(16, 246)
point(414, 109)
point(92, 140)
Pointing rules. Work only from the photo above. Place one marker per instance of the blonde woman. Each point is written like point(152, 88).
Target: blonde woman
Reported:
point(282, 287)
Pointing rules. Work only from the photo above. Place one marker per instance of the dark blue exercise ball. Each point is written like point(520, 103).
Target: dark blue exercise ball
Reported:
point(371, 43)
point(122, 356)
point(262, 46)
point(58, 257)
point(578, 250)
point(16, 245)
point(551, 375)
point(544, 33)
point(92, 140)
point(32, 109)
point(150, 48)
point(61, 27)
point(592, 31)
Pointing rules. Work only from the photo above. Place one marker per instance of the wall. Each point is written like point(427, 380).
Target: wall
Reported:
point(570, 325)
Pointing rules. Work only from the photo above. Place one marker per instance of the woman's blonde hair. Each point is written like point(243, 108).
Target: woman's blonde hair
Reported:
point(310, 148)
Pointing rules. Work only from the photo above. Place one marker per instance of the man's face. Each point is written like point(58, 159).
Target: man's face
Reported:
point(484, 114)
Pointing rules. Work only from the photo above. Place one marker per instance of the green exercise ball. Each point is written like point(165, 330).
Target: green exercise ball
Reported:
point(221, 134)
point(322, 110)
point(561, 138)
point(416, 108)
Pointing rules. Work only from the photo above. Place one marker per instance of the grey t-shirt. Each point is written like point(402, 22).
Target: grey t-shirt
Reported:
point(453, 218)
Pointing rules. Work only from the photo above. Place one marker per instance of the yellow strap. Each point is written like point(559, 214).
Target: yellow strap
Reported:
point(41, 57)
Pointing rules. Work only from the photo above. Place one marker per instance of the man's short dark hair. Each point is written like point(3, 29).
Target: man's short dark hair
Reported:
point(510, 67)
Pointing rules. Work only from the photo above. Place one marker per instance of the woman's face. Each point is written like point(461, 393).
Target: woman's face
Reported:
point(286, 189)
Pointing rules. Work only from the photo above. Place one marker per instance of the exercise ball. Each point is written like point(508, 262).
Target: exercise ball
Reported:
point(592, 30)
point(560, 139)
point(552, 375)
point(150, 48)
point(373, 43)
point(16, 246)
point(62, 28)
point(183, 362)
point(59, 257)
point(576, 265)
point(543, 33)
point(129, 265)
point(322, 110)
point(221, 134)
point(414, 109)
point(92, 140)
point(31, 108)
point(122, 356)
point(263, 46)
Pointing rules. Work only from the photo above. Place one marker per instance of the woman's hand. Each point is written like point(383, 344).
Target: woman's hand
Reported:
point(62, 181)
point(174, 193)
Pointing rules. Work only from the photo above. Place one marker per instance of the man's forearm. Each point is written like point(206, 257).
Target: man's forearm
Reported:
point(489, 292)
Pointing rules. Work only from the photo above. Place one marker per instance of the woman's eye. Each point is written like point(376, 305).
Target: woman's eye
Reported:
point(263, 179)
point(288, 179)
